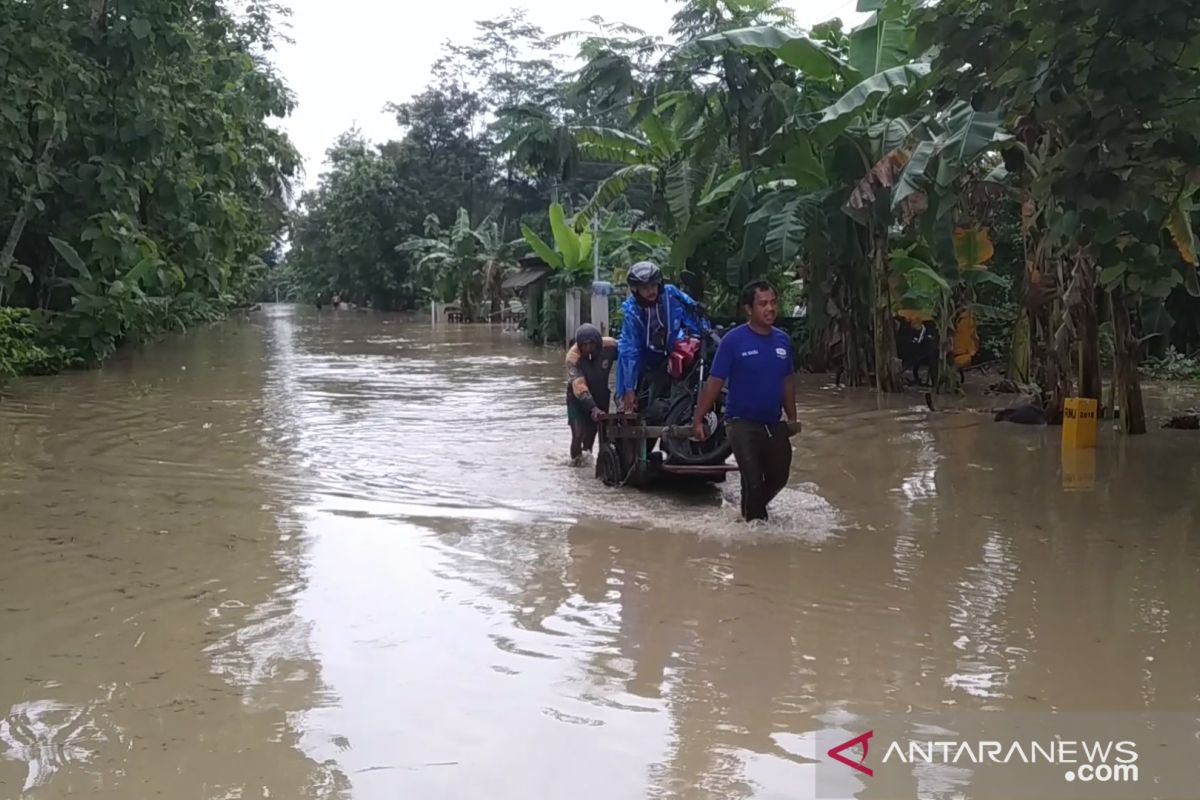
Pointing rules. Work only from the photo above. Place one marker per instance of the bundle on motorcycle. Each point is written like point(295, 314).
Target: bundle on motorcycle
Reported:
point(638, 450)
point(626, 456)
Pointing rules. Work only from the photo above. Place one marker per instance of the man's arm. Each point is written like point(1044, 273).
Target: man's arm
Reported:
point(629, 357)
point(576, 379)
point(683, 297)
point(789, 387)
point(691, 317)
point(722, 362)
point(708, 398)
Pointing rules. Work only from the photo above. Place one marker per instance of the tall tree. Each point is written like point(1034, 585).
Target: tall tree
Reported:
point(144, 178)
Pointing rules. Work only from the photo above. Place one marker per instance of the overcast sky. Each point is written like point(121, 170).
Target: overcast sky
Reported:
point(351, 57)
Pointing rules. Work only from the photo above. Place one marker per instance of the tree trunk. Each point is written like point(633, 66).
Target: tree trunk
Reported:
point(100, 15)
point(467, 302)
point(1020, 357)
point(1110, 410)
point(887, 376)
point(1086, 323)
point(851, 354)
point(817, 359)
point(1019, 353)
point(1091, 382)
point(7, 254)
point(745, 155)
point(853, 366)
point(10, 243)
point(1128, 354)
point(1050, 348)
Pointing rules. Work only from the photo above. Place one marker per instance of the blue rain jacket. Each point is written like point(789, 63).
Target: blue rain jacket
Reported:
point(634, 351)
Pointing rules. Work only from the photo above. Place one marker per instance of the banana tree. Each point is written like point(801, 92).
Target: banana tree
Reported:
point(691, 134)
point(570, 258)
point(839, 156)
point(1109, 108)
point(662, 170)
point(929, 287)
point(846, 157)
point(621, 247)
point(663, 182)
point(465, 261)
point(917, 177)
point(1154, 255)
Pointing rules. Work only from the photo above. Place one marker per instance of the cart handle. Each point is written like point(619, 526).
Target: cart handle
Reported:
point(669, 431)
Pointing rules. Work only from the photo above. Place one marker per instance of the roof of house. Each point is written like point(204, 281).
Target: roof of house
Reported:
point(523, 278)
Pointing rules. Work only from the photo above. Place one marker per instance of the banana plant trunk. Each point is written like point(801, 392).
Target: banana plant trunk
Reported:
point(850, 322)
point(1019, 353)
point(853, 353)
point(1086, 319)
point(1128, 354)
point(468, 305)
point(1050, 366)
point(887, 376)
point(745, 154)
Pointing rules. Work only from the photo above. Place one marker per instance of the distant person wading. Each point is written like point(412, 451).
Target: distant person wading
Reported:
point(755, 361)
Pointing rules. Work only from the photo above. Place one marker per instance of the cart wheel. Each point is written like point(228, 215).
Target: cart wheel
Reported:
point(713, 450)
point(608, 465)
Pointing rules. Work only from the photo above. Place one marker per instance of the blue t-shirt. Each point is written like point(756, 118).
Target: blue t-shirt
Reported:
point(754, 367)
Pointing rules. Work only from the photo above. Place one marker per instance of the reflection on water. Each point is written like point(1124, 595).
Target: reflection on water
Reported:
point(340, 555)
point(47, 735)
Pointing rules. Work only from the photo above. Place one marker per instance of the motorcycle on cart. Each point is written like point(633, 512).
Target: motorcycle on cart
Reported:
point(644, 449)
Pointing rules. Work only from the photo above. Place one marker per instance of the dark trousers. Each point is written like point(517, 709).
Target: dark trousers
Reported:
point(764, 459)
point(654, 392)
point(579, 417)
point(583, 436)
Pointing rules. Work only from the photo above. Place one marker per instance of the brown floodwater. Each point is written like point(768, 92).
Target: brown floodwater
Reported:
point(344, 556)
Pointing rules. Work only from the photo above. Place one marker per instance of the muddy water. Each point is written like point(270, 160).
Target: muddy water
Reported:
point(341, 556)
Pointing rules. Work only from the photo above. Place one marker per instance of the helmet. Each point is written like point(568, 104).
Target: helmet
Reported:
point(587, 333)
point(644, 273)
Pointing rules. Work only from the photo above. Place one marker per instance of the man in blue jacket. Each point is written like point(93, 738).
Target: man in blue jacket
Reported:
point(656, 316)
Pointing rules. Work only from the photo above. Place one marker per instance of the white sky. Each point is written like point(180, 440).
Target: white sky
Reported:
point(351, 57)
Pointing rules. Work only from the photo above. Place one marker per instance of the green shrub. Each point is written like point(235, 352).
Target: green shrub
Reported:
point(27, 346)
point(1173, 366)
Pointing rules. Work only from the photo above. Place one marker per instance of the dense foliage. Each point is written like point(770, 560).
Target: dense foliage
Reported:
point(1101, 99)
point(889, 166)
point(1018, 176)
point(142, 183)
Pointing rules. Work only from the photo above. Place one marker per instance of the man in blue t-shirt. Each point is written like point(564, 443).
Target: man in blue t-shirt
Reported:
point(755, 361)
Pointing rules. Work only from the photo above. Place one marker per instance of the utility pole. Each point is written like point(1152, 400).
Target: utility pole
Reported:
point(600, 290)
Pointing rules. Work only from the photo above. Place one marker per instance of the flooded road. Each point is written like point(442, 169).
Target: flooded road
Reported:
point(343, 556)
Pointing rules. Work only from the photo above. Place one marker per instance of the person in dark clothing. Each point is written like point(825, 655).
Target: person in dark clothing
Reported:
point(589, 362)
point(755, 361)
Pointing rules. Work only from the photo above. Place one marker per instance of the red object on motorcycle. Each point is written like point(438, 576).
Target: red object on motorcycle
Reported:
point(682, 356)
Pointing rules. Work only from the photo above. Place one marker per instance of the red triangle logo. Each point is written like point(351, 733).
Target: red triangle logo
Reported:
point(836, 752)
